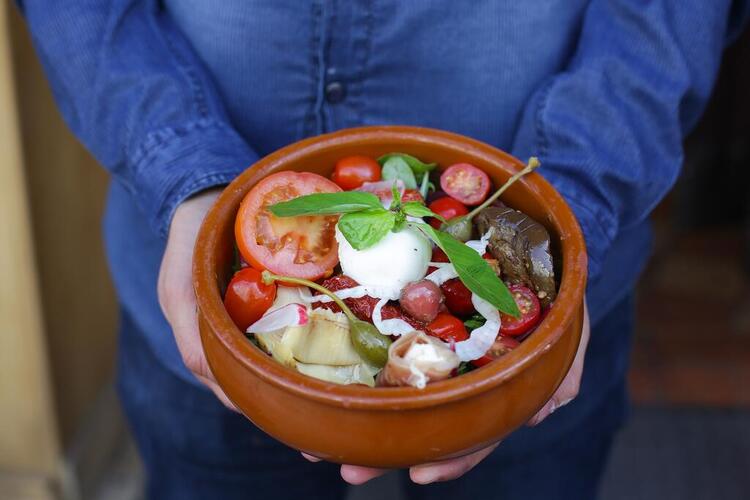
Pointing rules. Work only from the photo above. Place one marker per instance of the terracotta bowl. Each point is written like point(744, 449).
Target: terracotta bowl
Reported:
point(391, 427)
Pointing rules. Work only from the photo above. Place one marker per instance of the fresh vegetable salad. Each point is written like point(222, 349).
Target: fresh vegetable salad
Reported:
point(390, 273)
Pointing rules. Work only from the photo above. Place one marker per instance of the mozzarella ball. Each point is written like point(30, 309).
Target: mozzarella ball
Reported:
point(396, 260)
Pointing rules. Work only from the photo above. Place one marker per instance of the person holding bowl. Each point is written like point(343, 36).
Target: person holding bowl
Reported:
point(175, 98)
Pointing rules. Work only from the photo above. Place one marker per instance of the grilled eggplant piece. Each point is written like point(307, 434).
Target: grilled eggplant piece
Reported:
point(522, 246)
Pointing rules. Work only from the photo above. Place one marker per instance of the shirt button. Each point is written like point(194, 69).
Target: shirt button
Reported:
point(335, 92)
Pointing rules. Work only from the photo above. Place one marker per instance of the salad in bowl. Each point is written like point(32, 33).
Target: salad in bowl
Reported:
point(358, 279)
point(389, 296)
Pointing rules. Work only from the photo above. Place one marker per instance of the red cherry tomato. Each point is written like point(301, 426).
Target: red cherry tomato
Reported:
point(247, 297)
point(447, 328)
point(457, 297)
point(466, 183)
point(502, 346)
point(302, 247)
point(439, 256)
point(353, 171)
point(447, 208)
point(412, 195)
point(528, 304)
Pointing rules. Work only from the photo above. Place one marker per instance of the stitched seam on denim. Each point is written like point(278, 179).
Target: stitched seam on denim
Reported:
point(365, 59)
point(310, 115)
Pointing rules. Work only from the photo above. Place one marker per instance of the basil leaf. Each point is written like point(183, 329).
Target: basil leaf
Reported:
point(397, 168)
point(416, 166)
point(474, 322)
point(416, 209)
point(363, 229)
point(424, 188)
point(326, 204)
point(396, 193)
point(473, 270)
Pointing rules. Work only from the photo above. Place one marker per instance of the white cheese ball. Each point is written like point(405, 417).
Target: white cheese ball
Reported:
point(396, 260)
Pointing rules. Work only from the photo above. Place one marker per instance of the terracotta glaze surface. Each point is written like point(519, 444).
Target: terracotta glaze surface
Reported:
point(391, 427)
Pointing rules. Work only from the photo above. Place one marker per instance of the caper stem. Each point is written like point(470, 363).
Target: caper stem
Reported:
point(530, 166)
point(268, 278)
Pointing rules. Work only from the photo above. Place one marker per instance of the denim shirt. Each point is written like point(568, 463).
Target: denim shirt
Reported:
point(177, 96)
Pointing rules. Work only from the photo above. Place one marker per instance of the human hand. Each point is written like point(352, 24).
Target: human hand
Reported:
point(175, 287)
point(457, 467)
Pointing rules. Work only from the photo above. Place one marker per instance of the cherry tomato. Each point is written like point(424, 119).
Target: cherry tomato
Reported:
point(447, 208)
point(457, 297)
point(466, 183)
point(528, 304)
point(439, 256)
point(247, 297)
point(502, 346)
point(302, 247)
point(412, 195)
point(447, 328)
point(353, 171)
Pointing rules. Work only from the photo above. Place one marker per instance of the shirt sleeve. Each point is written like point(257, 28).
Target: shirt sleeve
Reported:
point(131, 88)
point(609, 128)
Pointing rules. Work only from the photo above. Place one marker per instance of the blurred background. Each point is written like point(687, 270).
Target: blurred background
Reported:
point(61, 432)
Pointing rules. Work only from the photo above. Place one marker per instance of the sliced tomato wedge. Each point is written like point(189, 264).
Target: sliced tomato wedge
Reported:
point(501, 347)
point(528, 304)
point(303, 246)
point(466, 183)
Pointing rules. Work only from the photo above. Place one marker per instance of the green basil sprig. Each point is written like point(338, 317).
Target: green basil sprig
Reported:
point(396, 168)
point(326, 204)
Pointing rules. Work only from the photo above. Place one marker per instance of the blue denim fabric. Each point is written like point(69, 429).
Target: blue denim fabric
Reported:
point(177, 96)
point(194, 448)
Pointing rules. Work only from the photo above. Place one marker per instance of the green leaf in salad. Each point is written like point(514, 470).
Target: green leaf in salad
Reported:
point(396, 168)
point(363, 229)
point(416, 209)
point(426, 186)
point(396, 203)
point(326, 204)
point(473, 270)
point(418, 168)
point(474, 322)
point(465, 367)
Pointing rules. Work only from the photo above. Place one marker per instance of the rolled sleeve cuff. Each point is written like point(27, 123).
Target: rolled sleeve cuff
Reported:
point(177, 162)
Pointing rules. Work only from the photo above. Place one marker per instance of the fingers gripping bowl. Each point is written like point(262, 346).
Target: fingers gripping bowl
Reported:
point(393, 426)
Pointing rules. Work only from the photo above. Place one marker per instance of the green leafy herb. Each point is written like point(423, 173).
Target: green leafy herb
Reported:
point(474, 322)
point(473, 270)
point(326, 204)
point(465, 367)
point(396, 168)
point(396, 203)
point(416, 209)
point(363, 229)
point(417, 166)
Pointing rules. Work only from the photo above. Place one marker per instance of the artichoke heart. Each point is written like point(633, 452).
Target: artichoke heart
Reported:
point(322, 349)
point(352, 374)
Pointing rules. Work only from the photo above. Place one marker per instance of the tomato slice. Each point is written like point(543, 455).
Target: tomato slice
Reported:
point(353, 171)
point(466, 183)
point(528, 304)
point(501, 347)
point(447, 328)
point(247, 297)
point(447, 208)
point(457, 297)
point(303, 246)
point(412, 195)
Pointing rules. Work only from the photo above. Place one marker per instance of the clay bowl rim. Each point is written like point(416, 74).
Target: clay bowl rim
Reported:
point(568, 303)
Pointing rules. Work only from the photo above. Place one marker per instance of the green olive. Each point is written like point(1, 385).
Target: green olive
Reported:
point(460, 228)
point(369, 343)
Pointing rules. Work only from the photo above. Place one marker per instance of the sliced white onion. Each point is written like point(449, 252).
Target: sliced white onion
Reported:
point(482, 338)
point(480, 245)
point(356, 292)
point(286, 295)
point(393, 326)
point(442, 274)
point(283, 317)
